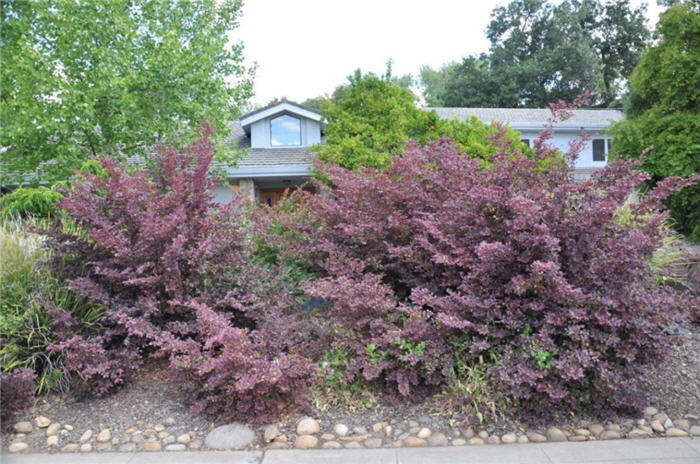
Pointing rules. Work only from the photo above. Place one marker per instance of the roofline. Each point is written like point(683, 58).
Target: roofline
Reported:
point(289, 170)
point(284, 105)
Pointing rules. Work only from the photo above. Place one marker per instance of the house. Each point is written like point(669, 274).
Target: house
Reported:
point(278, 139)
point(531, 121)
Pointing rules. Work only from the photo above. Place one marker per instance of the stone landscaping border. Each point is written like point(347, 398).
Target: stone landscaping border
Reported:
point(309, 433)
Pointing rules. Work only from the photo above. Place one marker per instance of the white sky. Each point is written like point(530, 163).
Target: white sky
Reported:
point(305, 48)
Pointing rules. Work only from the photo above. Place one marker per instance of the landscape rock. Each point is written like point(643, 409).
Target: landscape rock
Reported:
point(68, 427)
point(476, 441)
point(459, 442)
point(613, 427)
point(584, 432)
point(674, 432)
point(609, 435)
point(554, 434)
point(650, 411)
point(353, 445)
point(275, 445)
point(578, 438)
point(150, 446)
point(162, 435)
point(230, 436)
point(42, 422)
point(23, 427)
point(493, 440)
point(523, 439)
point(424, 433)
point(168, 439)
point(668, 423)
point(185, 438)
point(341, 429)
point(270, 433)
point(695, 430)
point(637, 433)
point(52, 440)
point(536, 437)
point(196, 444)
point(596, 429)
point(415, 442)
point(438, 439)
point(656, 426)
point(86, 436)
point(103, 446)
point(682, 424)
point(159, 427)
point(104, 436)
point(170, 421)
point(483, 434)
point(305, 442)
point(331, 445)
point(373, 443)
point(127, 447)
point(175, 447)
point(18, 447)
point(508, 438)
point(308, 426)
point(85, 448)
point(53, 429)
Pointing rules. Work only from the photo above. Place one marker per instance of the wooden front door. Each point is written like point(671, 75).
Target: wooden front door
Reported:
point(271, 197)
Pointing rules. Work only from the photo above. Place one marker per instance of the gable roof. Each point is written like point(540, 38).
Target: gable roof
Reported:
point(534, 118)
point(279, 107)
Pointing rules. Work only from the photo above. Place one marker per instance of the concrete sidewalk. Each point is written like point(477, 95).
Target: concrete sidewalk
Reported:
point(654, 450)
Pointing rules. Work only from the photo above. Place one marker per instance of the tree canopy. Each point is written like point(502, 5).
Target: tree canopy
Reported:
point(110, 78)
point(375, 116)
point(663, 111)
point(542, 52)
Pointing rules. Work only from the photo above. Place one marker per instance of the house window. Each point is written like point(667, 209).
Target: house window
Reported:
point(285, 131)
point(526, 141)
point(599, 149)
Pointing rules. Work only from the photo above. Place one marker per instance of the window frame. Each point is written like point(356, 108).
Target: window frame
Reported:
point(282, 115)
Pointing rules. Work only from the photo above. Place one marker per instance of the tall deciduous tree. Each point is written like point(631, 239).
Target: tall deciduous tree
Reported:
point(542, 52)
point(664, 113)
point(111, 78)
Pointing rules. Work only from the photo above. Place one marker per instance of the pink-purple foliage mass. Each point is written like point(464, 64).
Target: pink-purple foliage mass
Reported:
point(438, 260)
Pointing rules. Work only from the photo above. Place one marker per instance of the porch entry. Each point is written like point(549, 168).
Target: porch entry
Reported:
point(272, 196)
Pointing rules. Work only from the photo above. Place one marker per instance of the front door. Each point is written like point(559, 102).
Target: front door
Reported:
point(271, 197)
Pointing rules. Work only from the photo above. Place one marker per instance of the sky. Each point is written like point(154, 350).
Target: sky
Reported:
point(305, 48)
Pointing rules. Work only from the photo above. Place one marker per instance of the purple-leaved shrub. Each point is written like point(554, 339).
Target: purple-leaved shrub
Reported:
point(440, 264)
point(176, 275)
point(16, 391)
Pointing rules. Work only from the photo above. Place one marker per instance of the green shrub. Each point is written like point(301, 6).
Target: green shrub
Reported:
point(28, 292)
point(29, 202)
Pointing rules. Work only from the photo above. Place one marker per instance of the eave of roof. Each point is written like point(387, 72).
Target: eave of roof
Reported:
point(279, 107)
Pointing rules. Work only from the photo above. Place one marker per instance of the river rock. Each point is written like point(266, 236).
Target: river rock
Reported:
point(53, 429)
point(536, 437)
point(42, 422)
point(150, 446)
point(331, 445)
point(18, 447)
point(438, 439)
point(104, 436)
point(270, 433)
point(609, 435)
point(414, 442)
point(341, 429)
point(554, 434)
point(86, 436)
point(308, 426)
point(175, 447)
point(373, 443)
point(305, 442)
point(424, 432)
point(508, 438)
point(70, 448)
point(674, 432)
point(230, 436)
point(23, 427)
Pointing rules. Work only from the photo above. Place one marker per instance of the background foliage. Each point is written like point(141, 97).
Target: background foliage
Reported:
point(663, 111)
point(110, 78)
point(543, 52)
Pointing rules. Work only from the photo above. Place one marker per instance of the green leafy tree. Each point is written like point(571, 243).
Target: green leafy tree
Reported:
point(541, 52)
point(375, 117)
point(111, 78)
point(663, 111)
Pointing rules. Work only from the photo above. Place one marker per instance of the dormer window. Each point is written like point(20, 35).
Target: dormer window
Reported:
point(285, 131)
